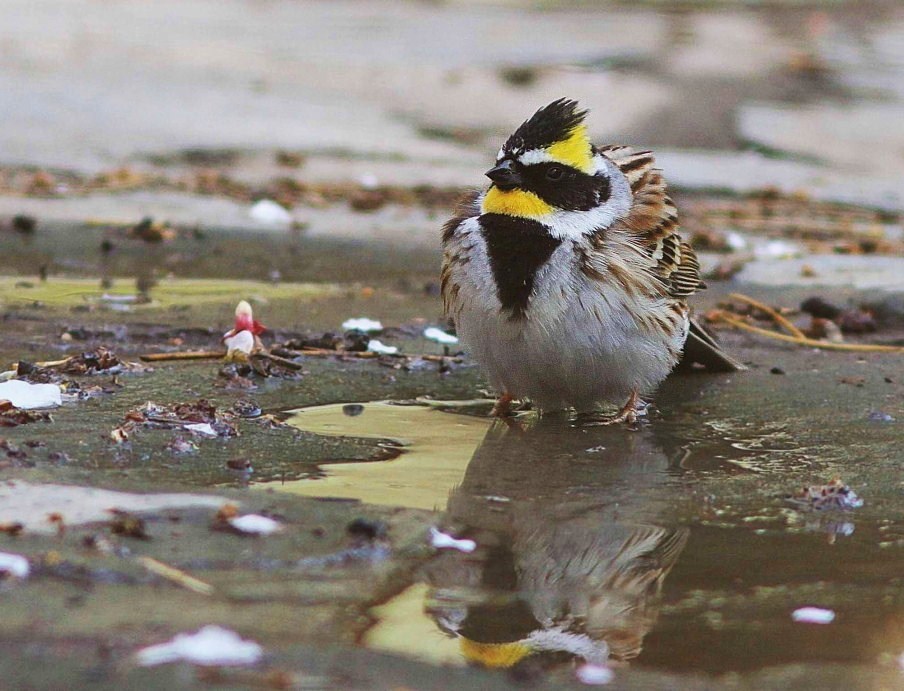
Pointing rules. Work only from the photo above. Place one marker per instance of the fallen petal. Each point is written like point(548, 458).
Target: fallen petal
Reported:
point(212, 645)
point(242, 342)
point(269, 212)
point(254, 524)
point(362, 324)
point(28, 396)
point(440, 336)
point(14, 564)
point(442, 540)
point(813, 615)
point(202, 428)
point(376, 346)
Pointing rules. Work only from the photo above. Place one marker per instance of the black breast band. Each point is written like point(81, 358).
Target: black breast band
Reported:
point(517, 248)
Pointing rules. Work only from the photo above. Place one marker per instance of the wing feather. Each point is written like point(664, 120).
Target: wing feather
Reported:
point(453, 254)
point(653, 222)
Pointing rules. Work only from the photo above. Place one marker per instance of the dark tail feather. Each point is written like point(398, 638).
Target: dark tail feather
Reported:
point(701, 348)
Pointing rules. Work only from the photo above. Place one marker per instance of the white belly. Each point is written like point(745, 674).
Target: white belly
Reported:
point(577, 345)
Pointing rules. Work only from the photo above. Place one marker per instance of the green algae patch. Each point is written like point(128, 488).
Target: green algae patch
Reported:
point(433, 447)
point(168, 293)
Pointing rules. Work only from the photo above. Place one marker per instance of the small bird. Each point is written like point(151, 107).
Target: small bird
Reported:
point(566, 278)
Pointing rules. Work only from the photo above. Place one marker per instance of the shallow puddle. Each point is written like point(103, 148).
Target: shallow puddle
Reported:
point(428, 449)
point(669, 547)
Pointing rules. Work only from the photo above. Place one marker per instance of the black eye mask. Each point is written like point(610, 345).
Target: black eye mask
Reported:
point(565, 187)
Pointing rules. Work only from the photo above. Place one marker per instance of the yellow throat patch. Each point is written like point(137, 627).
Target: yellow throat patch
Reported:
point(494, 654)
point(574, 151)
point(519, 203)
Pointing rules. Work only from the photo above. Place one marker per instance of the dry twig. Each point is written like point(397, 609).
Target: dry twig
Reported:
point(184, 355)
point(808, 342)
point(775, 316)
point(171, 573)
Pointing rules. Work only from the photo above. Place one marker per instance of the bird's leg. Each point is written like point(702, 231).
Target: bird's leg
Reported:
point(627, 413)
point(503, 407)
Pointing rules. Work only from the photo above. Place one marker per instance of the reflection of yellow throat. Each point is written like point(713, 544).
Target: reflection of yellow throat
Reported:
point(494, 654)
point(515, 203)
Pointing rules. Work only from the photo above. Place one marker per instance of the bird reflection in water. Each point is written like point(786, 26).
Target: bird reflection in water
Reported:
point(570, 559)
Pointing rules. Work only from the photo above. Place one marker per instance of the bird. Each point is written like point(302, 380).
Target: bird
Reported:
point(567, 279)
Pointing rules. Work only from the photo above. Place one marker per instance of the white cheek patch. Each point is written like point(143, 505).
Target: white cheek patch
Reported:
point(501, 154)
point(574, 225)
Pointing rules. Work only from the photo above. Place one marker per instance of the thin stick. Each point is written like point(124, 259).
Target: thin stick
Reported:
point(285, 362)
point(776, 317)
point(184, 355)
point(439, 358)
point(306, 352)
point(325, 352)
point(809, 342)
point(55, 363)
point(171, 573)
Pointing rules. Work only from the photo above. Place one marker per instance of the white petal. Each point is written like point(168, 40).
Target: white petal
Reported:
point(369, 181)
point(14, 564)
point(439, 336)
point(212, 645)
point(442, 540)
point(24, 395)
point(254, 524)
point(362, 324)
point(813, 615)
point(243, 341)
point(202, 428)
point(269, 212)
point(376, 346)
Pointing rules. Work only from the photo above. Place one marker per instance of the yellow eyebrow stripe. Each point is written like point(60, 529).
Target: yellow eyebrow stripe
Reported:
point(515, 203)
point(574, 151)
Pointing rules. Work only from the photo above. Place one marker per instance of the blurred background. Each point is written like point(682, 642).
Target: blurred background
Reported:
point(303, 155)
point(191, 109)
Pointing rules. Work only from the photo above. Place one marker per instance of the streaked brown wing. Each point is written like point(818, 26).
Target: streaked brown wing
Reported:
point(453, 255)
point(653, 220)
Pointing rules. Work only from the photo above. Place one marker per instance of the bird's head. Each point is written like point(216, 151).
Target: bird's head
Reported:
point(549, 167)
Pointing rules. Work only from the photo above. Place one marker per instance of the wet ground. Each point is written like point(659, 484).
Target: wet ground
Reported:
point(671, 551)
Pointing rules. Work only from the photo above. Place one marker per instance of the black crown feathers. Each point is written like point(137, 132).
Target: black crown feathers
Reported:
point(549, 125)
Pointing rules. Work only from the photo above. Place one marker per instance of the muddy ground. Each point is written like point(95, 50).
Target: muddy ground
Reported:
point(676, 549)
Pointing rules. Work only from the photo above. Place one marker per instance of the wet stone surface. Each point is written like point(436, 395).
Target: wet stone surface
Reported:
point(673, 555)
point(672, 550)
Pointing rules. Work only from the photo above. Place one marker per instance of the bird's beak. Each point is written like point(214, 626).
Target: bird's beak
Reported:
point(504, 176)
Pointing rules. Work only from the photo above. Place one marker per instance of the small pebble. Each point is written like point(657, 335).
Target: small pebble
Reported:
point(879, 416)
point(352, 409)
point(777, 370)
point(366, 528)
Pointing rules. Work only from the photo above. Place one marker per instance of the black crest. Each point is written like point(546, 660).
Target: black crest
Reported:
point(547, 126)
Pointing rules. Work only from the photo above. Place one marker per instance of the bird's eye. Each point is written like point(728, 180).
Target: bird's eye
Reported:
point(555, 172)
